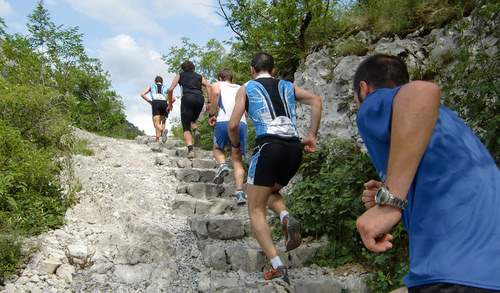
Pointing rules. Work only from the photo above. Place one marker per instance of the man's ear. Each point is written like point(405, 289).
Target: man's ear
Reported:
point(364, 90)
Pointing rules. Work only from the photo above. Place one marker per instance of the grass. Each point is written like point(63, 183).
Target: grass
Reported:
point(80, 147)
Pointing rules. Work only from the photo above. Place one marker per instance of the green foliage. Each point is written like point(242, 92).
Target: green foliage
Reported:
point(350, 46)
point(472, 86)
point(38, 113)
point(10, 255)
point(208, 59)
point(401, 17)
point(30, 196)
point(206, 132)
point(80, 147)
point(327, 201)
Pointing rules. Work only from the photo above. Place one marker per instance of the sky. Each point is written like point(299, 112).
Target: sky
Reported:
point(129, 37)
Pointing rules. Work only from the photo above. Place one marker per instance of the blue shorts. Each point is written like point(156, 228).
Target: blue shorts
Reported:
point(221, 136)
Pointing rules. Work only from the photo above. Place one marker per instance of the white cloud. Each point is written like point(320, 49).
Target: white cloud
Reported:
point(5, 9)
point(133, 66)
point(203, 9)
point(144, 17)
point(121, 14)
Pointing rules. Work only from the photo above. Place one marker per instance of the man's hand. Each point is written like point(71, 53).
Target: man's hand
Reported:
point(150, 102)
point(169, 107)
point(374, 225)
point(212, 120)
point(309, 143)
point(371, 188)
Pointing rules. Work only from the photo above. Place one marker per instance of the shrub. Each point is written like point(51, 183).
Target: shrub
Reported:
point(39, 113)
point(80, 147)
point(350, 46)
point(10, 255)
point(471, 87)
point(328, 201)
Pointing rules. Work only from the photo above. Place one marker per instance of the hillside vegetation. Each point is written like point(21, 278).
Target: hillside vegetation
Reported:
point(48, 84)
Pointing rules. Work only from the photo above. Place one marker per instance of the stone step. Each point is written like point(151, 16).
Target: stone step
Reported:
point(163, 159)
point(219, 227)
point(206, 190)
point(246, 255)
point(199, 154)
point(194, 163)
point(170, 143)
point(199, 175)
point(187, 206)
point(303, 280)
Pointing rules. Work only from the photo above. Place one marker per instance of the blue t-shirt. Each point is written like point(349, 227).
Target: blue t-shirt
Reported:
point(453, 213)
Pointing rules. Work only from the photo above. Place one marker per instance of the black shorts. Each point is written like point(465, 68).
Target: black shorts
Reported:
point(159, 108)
point(274, 161)
point(447, 288)
point(191, 106)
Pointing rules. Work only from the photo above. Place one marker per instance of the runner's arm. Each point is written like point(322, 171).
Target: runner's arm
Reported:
point(208, 87)
point(238, 111)
point(414, 115)
point(175, 82)
point(308, 98)
point(212, 98)
point(144, 94)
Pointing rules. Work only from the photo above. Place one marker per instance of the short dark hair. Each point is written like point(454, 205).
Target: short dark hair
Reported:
point(158, 79)
point(263, 62)
point(187, 66)
point(225, 74)
point(381, 71)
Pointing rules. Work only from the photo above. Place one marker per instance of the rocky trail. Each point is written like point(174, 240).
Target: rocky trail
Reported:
point(150, 220)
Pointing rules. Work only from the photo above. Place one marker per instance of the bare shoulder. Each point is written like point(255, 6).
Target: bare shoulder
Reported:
point(419, 92)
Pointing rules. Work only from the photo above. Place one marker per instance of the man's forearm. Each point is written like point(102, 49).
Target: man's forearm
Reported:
point(316, 109)
point(415, 112)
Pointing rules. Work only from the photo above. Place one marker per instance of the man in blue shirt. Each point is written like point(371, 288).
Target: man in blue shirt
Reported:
point(436, 176)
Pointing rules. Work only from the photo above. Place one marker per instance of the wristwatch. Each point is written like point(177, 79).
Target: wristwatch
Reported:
point(385, 197)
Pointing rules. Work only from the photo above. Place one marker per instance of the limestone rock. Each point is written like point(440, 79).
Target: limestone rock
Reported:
point(218, 228)
point(318, 286)
point(204, 164)
point(49, 266)
point(66, 271)
point(133, 274)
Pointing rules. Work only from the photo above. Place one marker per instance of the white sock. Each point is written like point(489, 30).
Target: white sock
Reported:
point(276, 262)
point(283, 214)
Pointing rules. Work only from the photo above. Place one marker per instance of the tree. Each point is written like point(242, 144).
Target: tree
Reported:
point(277, 27)
point(208, 59)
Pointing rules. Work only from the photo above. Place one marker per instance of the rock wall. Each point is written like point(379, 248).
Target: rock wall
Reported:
point(331, 76)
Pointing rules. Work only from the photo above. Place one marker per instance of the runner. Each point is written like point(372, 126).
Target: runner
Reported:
point(436, 175)
point(270, 103)
point(222, 100)
point(158, 101)
point(192, 101)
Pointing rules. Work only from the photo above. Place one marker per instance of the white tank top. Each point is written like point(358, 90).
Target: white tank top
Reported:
point(226, 101)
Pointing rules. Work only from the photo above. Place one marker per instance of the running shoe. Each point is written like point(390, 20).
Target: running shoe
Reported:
point(197, 137)
point(164, 136)
point(241, 197)
point(221, 172)
point(190, 154)
point(279, 272)
point(291, 230)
